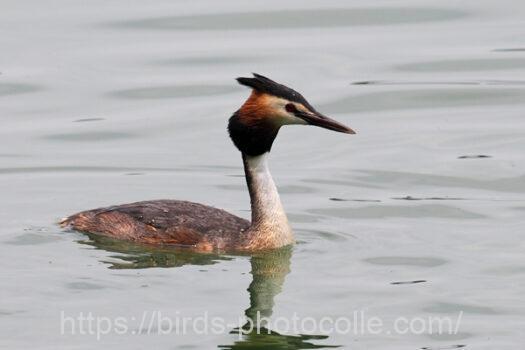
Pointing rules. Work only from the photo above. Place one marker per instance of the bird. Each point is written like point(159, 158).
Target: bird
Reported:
point(253, 129)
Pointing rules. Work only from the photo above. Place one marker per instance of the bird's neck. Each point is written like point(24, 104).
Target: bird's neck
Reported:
point(269, 227)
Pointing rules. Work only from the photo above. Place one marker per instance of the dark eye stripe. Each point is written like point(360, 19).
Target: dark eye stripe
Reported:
point(290, 108)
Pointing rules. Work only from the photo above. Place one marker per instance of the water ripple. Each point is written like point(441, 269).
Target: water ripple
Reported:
point(17, 88)
point(173, 91)
point(444, 82)
point(90, 136)
point(425, 98)
point(510, 184)
point(80, 169)
point(423, 261)
point(209, 60)
point(282, 19)
point(511, 49)
point(390, 211)
point(464, 65)
point(441, 307)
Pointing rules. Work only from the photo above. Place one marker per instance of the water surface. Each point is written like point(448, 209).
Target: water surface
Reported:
point(421, 214)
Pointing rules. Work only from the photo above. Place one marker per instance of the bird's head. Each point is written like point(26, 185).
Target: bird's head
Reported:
point(255, 125)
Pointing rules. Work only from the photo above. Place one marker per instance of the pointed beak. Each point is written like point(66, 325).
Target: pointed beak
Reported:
point(318, 119)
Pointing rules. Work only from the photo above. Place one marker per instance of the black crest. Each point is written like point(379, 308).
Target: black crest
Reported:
point(268, 86)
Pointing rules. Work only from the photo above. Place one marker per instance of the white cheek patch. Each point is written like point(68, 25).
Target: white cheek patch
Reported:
point(284, 117)
point(292, 119)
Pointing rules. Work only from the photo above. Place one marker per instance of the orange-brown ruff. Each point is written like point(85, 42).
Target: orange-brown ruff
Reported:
point(253, 129)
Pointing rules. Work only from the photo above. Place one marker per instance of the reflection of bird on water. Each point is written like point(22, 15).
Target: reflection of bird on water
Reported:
point(269, 271)
point(138, 256)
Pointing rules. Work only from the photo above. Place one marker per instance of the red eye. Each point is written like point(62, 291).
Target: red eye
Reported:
point(290, 108)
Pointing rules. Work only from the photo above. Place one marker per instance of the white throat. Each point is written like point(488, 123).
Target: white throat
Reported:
point(268, 216)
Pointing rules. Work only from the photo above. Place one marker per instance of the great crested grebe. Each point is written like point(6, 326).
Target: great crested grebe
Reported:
point(253, 129)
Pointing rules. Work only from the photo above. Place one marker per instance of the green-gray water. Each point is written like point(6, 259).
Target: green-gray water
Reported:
point(421, 214)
